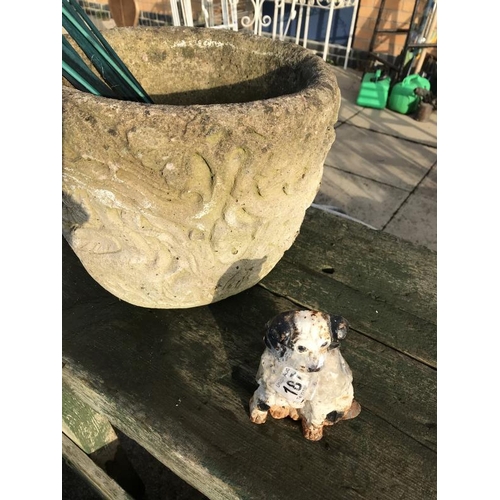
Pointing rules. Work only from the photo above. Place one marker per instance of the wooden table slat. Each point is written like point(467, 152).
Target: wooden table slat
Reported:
point(376, 263)
point(211, 444)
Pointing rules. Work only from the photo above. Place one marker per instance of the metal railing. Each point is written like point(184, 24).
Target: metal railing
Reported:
point(288, 20)
point(297, 19)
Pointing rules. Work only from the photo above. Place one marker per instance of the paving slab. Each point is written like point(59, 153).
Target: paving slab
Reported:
point(347, 111)
point(366, 200)
point(428, 187)
point(416, 221)
point(398, 125)
point(380, 157)
point(349, 81)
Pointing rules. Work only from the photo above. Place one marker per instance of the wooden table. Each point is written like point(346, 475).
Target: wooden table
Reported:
point(178, 381)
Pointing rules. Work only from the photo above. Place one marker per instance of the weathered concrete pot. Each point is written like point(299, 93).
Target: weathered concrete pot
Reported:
point(196, 197)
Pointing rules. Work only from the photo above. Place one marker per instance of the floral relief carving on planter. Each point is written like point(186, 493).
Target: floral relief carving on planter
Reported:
point(196, 197)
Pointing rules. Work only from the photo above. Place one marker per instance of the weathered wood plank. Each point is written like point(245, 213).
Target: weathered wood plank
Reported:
point(399, 389)
point(93, 433)
point(181, 388)
point(384, 322)
point(207, 440)
point(87, 428)
point(95, 476)
point(385, 381)
point(178, 382)
point(386, 268)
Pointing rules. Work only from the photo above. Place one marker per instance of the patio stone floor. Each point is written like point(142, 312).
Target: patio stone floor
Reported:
point(382, 168)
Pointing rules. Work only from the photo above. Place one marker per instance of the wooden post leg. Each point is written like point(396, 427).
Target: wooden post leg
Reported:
point(94, 435)
point(101, 483)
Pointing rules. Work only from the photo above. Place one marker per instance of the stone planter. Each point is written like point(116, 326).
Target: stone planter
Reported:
point(196, 197)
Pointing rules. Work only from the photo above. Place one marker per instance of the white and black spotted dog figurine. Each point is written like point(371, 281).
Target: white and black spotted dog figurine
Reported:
point(302, 374)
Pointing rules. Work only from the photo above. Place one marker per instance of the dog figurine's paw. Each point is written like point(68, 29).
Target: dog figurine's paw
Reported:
point(312, 432)
point(258, 411)
point(302, 374)
point(258, 417)
point(279, 412)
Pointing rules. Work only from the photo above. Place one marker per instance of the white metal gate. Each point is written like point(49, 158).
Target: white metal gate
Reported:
point(299, 14)
point(286, 16)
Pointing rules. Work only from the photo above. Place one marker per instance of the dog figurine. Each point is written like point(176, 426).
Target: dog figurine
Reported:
point(302, 373)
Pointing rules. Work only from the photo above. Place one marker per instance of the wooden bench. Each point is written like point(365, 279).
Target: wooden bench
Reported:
point(178, 382)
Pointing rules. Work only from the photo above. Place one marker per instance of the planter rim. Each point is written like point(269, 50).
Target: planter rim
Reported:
point(322, 85)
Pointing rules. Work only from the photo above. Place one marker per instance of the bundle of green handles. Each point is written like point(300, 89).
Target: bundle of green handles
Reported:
point(117, 80)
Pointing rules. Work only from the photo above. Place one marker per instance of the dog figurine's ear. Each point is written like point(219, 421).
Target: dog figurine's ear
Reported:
point(338, 330)
point(278, 333)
